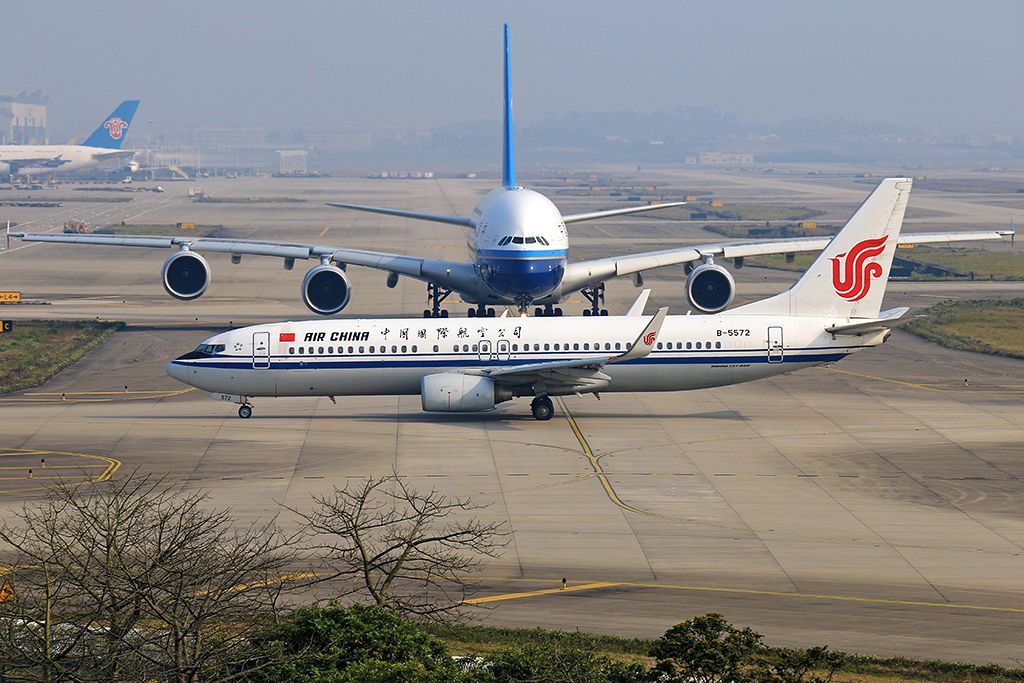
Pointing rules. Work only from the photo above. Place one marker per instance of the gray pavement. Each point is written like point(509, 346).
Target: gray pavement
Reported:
point(875, 506)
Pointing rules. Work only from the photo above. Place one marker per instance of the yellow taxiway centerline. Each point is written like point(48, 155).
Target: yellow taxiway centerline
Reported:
point(764, 593)
point(544, 591)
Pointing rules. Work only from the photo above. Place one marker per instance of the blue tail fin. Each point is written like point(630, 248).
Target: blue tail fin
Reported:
point(508, 162)
point(112, 132)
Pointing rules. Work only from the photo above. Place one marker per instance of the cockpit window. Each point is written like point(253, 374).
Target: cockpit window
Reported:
point(517, 240)
point(531, 240)
point(505, 240)
point(210, 348)
point(543, 241)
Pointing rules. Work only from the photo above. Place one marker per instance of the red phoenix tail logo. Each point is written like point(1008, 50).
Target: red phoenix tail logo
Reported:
point(853, 271)
point(116, 127)
point(650, 337)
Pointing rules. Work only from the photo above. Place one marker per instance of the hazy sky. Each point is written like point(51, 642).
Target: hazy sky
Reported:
point(945, 66)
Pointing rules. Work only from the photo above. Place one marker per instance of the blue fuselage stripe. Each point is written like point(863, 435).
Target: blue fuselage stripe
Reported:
point(522, 254)
point(472, 361)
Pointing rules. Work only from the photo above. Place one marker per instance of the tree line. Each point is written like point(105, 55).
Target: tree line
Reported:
point(137, 580)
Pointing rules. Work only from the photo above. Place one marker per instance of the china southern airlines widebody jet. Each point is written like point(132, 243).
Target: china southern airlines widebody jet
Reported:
point(465, 365)
point(519, 248)
point(102, 146)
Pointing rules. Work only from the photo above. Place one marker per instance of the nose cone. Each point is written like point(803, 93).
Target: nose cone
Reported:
point(178, 371)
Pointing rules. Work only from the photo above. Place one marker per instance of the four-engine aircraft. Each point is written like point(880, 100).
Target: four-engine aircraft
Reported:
point(519, 254)
point(466, 365)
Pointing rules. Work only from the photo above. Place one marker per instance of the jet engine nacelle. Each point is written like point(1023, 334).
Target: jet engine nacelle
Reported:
point(452, 392)
point(325, 289)
point(185, 275)
point(710, 288)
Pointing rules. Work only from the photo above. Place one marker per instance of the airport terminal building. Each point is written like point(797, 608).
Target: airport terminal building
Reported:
point(23, 118)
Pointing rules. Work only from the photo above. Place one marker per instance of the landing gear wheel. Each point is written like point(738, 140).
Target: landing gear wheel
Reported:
point(542, 408)
point(586, 312)
point(558, 311)
point(245, 411)
point(604, 311)
point(472, 313)
point(538, 312)
point(444, 313)
point(426, 313)
point(490, 313)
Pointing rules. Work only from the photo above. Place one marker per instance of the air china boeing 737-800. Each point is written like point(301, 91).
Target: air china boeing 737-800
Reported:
point(465, 365)
point(519, 250)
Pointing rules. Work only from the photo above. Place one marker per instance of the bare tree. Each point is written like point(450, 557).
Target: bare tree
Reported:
point(405, 550)
point(133, 579)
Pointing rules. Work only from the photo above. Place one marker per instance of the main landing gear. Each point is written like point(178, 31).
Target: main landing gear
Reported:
point(542, 408)
point(548, 310)
point(481, 311)
point(595, 295)
point(245, 410)
point(435, 295)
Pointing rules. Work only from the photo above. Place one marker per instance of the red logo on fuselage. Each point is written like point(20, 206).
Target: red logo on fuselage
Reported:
point(116, 127)
point(650, 337)
point(853, 271)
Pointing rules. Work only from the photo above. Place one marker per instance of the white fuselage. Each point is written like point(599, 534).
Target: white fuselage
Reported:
point(60, 158)
point(392, 356)
point(520, 245)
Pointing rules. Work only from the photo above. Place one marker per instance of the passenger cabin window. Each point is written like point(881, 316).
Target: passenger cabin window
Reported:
point(291, 350)
point(302, 350)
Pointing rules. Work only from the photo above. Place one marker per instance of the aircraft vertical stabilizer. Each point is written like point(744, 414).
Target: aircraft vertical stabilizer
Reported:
point(508, 162)
point(114, 129)
point(848, 278)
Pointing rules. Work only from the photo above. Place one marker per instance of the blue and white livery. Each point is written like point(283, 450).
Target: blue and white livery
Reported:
point(518, 249)
point(104, 145)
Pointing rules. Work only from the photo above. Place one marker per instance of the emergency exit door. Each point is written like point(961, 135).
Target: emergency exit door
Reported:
point(775, 349)
point(261, 350)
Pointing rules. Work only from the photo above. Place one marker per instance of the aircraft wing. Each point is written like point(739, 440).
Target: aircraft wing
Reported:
point(114, 154)
point(39, 162)
point(455, 275)
point(589, 273)
point(464, 221)
point(580, 375)
point(577, 217)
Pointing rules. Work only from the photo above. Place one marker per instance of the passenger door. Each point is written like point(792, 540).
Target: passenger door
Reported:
point(261, 350)
point(484, 350)
point(775, 347)
point(504, 349)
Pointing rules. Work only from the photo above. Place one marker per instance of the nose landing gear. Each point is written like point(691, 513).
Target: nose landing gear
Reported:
point(245, 411)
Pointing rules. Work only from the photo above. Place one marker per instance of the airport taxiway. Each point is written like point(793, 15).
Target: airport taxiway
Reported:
point(874, 506)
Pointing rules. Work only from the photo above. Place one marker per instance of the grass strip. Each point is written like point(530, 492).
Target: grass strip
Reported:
point(36, 350)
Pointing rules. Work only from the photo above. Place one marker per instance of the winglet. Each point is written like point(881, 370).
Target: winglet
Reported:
point(508, 163)
point(637, 309)
point(645, 341)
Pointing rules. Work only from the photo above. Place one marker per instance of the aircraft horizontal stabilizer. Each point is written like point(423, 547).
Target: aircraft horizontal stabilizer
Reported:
point(886, 321)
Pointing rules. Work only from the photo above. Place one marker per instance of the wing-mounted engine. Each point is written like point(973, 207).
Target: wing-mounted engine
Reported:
point(325, 289)
point(185, 275)
point(453, 392)
point(710, 287)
